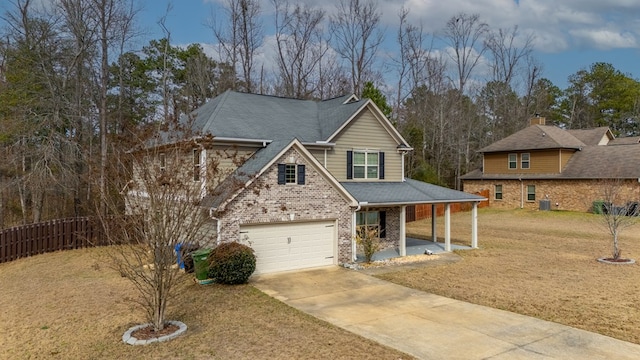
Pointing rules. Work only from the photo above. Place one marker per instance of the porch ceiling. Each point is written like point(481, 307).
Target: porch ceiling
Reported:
point(406, 192)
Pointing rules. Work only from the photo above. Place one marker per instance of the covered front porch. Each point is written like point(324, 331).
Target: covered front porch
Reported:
point(395, 197)
point(415, 247)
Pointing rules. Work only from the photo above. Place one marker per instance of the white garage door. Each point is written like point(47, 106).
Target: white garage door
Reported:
point(290, 246)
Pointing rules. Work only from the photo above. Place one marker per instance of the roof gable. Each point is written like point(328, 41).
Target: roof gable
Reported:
point(596, 136)
point(260, 162)
point(536, 137)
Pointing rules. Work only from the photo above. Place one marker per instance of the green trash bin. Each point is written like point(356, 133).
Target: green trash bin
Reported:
point(201, 264)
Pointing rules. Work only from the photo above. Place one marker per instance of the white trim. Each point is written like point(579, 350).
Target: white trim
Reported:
point(474, 226)
point(377, 113)
point(261, 142)
point(447, 227)
point(203, 173)
point(351, 98)
point(403, 233)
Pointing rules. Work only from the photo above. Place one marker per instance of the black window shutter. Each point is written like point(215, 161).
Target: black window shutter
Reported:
point(281, 169)
point(383, 224)
point(381, 165)
point(301, 174)
point(349, 164)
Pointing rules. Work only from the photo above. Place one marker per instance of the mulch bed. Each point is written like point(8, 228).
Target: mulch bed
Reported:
point(147, 333)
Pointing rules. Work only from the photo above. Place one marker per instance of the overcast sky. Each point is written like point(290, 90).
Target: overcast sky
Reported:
point(569, 34)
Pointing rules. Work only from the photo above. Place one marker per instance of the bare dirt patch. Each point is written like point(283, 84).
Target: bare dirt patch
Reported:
point(541, 264)
point(70, 305)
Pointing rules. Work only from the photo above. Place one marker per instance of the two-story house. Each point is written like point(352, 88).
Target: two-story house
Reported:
point(566, 168)
point(312, 173)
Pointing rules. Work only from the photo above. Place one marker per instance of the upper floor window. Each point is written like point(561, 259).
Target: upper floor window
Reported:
point(513, 161)
point(498, 192)
point(524, 160)
point(196, 165)
point(364, 164)
point(291, 174)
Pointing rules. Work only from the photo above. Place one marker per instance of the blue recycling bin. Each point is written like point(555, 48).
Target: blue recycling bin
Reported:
point(180, 260)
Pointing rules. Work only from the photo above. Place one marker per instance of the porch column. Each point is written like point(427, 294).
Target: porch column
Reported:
point(474, 226)
point(447, 227)
point(354, 255)
point(434, 234)
point(403, 234)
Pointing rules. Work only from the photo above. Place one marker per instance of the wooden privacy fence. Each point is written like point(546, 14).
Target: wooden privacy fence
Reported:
point(423, 211)
point(49, 236)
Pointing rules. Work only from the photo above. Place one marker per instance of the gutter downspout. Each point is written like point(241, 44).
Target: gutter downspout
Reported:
point(521, 194)
point(218, 225)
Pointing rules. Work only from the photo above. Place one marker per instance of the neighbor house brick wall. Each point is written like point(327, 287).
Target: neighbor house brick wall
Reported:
point(574, 195)
point(265, 201)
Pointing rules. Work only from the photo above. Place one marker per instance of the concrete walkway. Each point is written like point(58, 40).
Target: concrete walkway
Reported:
point(428, 326)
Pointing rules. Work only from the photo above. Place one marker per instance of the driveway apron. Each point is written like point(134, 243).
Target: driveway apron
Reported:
point(429, 326)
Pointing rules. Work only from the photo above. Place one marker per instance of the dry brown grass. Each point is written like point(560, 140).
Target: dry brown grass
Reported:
point(541, 264)
point(69, 305)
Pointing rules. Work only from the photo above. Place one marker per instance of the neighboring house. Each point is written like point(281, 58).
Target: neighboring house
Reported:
point(314, 172)
point(569, 168)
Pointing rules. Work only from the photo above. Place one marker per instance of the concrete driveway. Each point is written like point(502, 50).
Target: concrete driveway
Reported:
point(428, 326)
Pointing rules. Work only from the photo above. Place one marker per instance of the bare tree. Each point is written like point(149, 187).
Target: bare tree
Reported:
point(300, 46)
point(112, 19)
point(508, 52)
point(620, 209)
point(465, 34)
point(240, 37)
point(161, 212)
point(356, 34)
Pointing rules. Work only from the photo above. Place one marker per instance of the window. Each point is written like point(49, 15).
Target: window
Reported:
point(372, 220)
point(531, 193)
point(524, 160)
point(513, 161)
point(498, 192)
point(365, 165)
point(291, 174)
point(196, 165)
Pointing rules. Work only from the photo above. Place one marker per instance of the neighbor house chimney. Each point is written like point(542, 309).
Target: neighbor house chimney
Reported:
point(537, 120)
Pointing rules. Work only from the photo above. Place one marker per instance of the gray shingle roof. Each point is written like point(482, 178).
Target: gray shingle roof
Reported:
point(604, 162)
point(631, 140)
point(407, 192)
point(251, 116)
point(536, 137)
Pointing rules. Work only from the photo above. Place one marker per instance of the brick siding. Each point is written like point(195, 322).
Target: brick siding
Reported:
point(573, 195)
point(264, 201)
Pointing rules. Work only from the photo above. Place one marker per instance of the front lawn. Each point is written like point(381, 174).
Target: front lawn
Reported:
point(541, 264)
point(70, 305)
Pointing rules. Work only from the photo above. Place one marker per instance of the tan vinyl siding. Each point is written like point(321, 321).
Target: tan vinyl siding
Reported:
point(220, 162)
point(364, 133)
point(319, 155)
point(541, 162)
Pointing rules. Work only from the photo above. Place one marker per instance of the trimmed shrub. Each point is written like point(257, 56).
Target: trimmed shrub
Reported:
point(367, 238)
point(231, 263)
